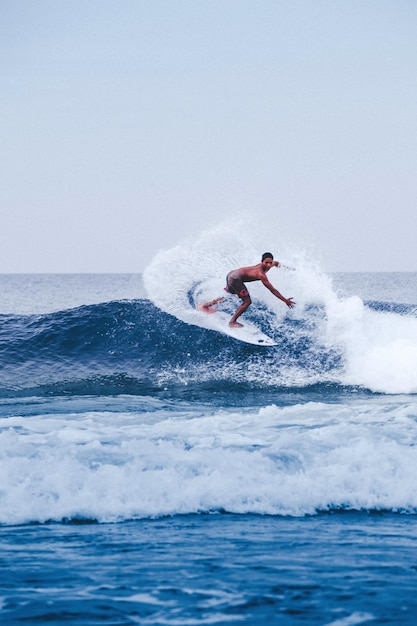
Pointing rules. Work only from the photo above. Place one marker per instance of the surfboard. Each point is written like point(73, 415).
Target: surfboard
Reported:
point(249, 333)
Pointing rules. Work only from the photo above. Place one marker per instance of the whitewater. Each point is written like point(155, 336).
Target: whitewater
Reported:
point(164, 473)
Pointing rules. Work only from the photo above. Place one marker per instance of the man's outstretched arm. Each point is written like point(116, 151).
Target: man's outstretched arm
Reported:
point(288, 301)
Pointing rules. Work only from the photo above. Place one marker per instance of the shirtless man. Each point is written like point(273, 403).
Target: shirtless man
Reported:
point(235, 283)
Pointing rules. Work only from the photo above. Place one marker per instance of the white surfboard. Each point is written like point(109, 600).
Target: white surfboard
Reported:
point(249, 333)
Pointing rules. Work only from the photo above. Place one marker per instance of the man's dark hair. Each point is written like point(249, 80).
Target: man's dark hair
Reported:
point(267, 255)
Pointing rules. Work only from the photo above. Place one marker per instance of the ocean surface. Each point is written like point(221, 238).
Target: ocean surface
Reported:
point(153, 471)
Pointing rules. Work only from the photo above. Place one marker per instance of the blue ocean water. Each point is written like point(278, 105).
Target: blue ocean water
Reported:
point(153, 471)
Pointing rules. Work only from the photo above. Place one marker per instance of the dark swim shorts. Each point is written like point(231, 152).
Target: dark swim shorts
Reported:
point(235, 285)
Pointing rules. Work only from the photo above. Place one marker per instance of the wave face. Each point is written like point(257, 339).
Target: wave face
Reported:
point(134, 347)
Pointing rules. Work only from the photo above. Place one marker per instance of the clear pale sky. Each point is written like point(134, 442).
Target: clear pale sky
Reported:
point(129, 125)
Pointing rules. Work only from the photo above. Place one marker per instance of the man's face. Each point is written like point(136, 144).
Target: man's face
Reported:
point(267, 264)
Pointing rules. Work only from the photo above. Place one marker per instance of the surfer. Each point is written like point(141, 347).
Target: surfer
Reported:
point(235, 284)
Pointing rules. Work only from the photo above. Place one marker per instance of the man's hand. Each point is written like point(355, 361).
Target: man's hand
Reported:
point(290, 303)
point(277, 264)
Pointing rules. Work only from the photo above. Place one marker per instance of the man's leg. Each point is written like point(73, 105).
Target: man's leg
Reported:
point(246, 302)
point(208, 306)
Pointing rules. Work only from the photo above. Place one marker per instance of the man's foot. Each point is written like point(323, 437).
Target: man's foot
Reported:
point(235, 325)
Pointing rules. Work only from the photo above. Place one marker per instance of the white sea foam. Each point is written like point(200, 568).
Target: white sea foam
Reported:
point(288, 461)
point(380, 348)
point(359, 617)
